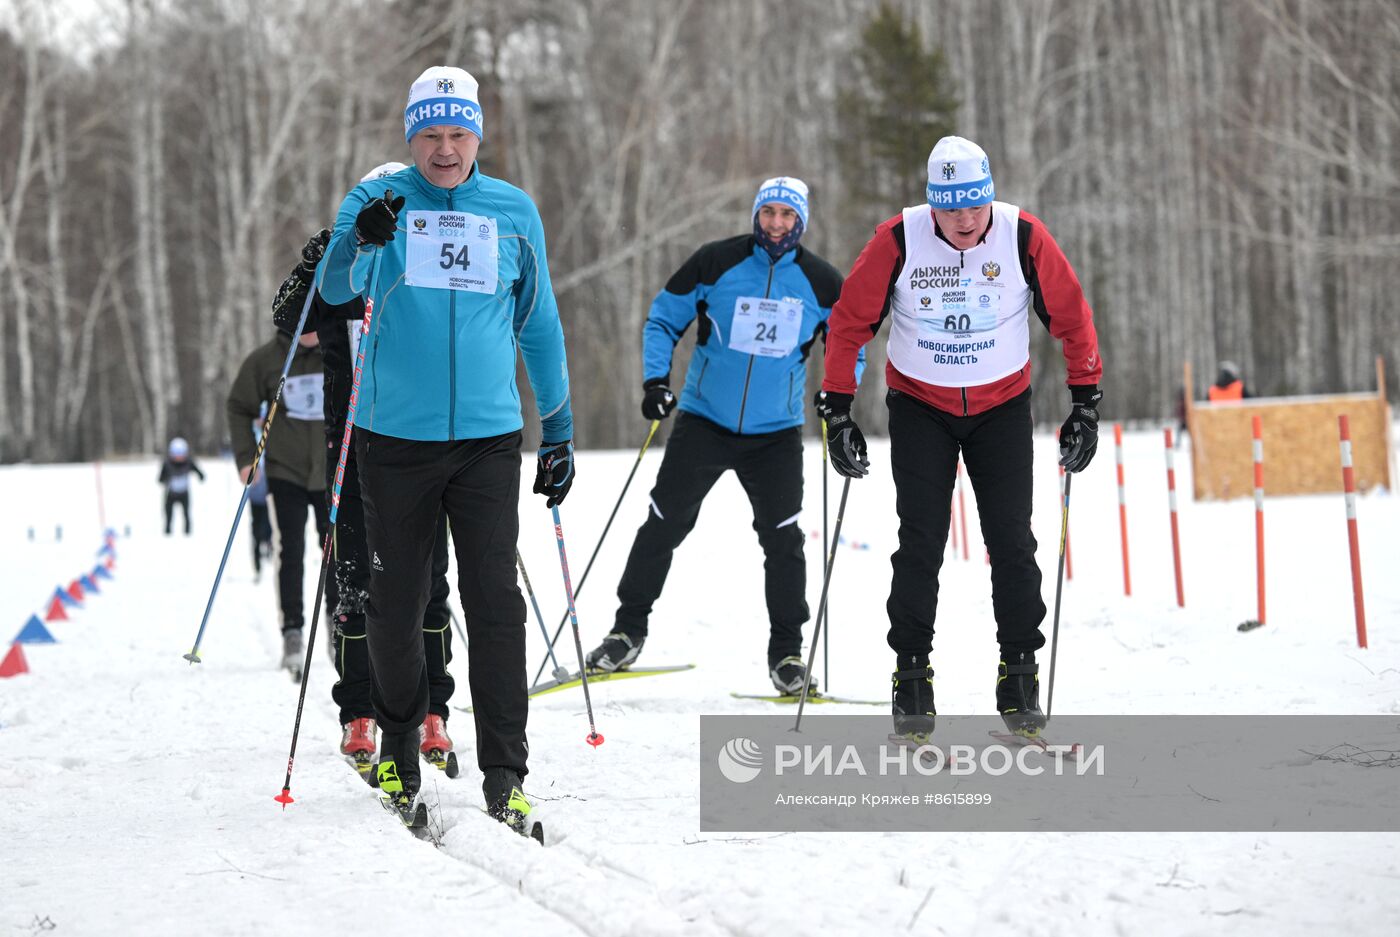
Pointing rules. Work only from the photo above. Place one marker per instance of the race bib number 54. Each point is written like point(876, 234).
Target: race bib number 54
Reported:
point(765, 327)
point(451, 250)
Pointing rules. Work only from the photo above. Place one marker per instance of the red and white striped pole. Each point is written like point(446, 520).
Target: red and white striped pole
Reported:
point(962, 511)
point(1259, 509)
point(1122, 507)
point(1349, 485)
point(1176, 532)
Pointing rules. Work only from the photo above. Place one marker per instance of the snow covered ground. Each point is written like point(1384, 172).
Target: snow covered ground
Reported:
point(137, 790)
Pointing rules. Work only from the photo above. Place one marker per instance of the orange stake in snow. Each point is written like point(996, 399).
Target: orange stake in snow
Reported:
point(1176, 532)
point(1259, 510)
point(1122, 507)
point(1349, 485)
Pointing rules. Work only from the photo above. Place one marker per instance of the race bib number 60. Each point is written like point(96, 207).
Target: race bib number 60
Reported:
point(765, 327)
point(451, 250)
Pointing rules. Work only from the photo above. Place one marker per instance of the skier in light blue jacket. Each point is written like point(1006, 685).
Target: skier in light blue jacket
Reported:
point(454, 264)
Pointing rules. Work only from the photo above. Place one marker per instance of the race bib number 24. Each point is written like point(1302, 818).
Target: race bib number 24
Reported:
point(765, 327)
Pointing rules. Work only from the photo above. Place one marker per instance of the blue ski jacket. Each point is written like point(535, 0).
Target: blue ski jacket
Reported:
point(749, 370)
point(462, 286)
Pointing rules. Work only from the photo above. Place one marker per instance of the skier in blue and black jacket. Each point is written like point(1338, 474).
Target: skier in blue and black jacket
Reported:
point(454, 262)
point(759, 301)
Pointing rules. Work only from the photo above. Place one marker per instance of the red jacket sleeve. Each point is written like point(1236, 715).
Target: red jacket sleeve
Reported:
point(864, 303)
point(1059, 301)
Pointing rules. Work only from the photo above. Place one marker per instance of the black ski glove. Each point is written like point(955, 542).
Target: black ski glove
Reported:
point(1079, 436)
point(657, 401)
point(554, 471)
point(844, 441)
point(291, 295)
point(311, 254)
point(823, 405)
point(376, 222)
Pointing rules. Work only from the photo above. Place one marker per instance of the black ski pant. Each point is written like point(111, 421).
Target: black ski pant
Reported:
point(290, 502)
point(173, 498)
point(261, 528)
point(996, 447)
point(769, 466)
point(352, 690)
point(406, 484)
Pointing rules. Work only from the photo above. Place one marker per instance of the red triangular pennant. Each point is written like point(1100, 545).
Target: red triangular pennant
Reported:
point(14, 663)
point(55, 612)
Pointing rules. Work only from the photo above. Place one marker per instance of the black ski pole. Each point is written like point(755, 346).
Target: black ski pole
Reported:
point(285, 797)
point(594, 738)
point(560, 673)
point(821, 607)
point(1059, 587)
point(826, 658)
point(193, 655)
point(606, 527)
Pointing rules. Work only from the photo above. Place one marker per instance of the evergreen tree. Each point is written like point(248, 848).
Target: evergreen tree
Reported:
point(899, 101)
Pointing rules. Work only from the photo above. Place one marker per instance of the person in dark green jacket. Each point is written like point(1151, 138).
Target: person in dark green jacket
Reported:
point(294, 461)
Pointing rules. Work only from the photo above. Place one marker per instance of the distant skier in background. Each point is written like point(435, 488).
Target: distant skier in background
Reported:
point(759, 301)
point(261, 527)
point(295, 463)
point(175, 476)
point(1228, 384)
point(338, 328)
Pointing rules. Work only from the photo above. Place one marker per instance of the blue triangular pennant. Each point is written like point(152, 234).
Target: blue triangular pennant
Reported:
point(34, 632)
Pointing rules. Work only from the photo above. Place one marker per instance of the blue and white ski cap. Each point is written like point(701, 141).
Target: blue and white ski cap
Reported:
point(959, 175)
point(178, 448)
point(442, 95)
point(382, 170)
point(789, 190)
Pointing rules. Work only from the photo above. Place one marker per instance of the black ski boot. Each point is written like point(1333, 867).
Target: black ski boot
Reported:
point(505, 801)
point(788, 674)
point(912, 697)
point(617, 652)
point(1018, 693)
point(398, 778)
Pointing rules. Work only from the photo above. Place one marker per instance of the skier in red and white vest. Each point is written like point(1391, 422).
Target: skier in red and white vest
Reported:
point(958, 278)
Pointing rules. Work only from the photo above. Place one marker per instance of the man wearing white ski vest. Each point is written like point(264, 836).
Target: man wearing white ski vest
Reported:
point(959, 278)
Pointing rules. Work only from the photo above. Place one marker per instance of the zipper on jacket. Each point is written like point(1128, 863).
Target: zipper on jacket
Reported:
point(961, 267)
point(701, 379)
point(743, 401)
point(452, 353)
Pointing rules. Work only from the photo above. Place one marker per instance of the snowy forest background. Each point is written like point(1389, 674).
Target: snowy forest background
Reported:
point(1222, 173)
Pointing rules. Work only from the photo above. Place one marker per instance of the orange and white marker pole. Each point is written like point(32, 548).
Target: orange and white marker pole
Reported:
point(1259, 510)
point(1176, 531)
point(1349, 486)
point(1122, 507)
